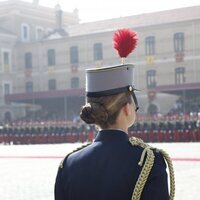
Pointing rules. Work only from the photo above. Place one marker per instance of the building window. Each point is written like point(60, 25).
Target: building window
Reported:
point(150, 46)
point(179, 42)
point(151, 79)
point(52, 84)
point(98, 51)
point(6, 88)
point(75, 82)
point(39, 33)
point(6, 60)
point(25, 31)
point(74, 57)
point(51, 57)
point(29, 87)
point(48, 31)
point(28, 60)
point(179, 75)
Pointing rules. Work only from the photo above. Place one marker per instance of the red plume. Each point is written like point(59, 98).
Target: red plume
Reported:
point(125, 41)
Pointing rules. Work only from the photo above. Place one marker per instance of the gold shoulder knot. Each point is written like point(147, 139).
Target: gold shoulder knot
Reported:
point(148, 150)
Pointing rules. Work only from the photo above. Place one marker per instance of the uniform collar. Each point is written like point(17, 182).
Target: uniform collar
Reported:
point(111, 135)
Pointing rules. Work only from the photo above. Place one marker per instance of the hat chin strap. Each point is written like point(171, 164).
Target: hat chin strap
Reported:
point(135, 101)
point(129, 88)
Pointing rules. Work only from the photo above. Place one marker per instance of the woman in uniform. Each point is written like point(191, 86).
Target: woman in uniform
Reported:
point(112, 167)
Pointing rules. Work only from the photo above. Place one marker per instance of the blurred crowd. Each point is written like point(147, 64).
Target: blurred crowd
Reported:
point(181, 124)
point(168, 129)
point(46, 134)
point(190, 105)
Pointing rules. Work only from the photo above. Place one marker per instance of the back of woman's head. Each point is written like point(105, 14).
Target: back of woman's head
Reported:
point(103, 111)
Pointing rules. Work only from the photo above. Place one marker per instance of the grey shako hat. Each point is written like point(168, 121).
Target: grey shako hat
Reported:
point(109, 80)
point(113, 80)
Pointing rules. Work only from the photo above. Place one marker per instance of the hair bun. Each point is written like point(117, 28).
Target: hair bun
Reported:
point(86, 114)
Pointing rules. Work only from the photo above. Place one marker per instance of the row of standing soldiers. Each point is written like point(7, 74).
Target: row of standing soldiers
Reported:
point(172, 131)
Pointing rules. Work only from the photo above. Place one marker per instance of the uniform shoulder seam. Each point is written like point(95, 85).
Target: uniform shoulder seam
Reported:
point(65, 158)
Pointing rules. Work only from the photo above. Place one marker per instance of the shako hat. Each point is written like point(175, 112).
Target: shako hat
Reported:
point(112, 80)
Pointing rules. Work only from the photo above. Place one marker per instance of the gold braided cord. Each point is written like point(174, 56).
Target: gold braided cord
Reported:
point(146, 169)
point(148, 166)
point(171, 173)
point(144, 174)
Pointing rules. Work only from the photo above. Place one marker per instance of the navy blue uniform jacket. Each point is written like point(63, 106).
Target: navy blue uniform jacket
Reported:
point(108, 170)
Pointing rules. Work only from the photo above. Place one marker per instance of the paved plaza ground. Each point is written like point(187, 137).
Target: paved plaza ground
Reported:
point(27, 172)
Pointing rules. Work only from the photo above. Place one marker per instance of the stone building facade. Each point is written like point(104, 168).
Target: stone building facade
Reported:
point(44, 53)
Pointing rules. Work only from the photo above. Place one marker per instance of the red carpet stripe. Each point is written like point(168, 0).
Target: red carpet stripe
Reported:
point(60, 157)
point(32, 157)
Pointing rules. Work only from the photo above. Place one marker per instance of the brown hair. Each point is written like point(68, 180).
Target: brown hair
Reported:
point(103, 111)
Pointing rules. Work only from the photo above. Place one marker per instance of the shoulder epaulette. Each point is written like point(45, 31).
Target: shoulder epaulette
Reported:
point(65, 158)
point(148, 151)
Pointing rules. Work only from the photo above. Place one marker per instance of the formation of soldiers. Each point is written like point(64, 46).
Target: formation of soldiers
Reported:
point(45, 134)
point(167, 131)
point(48, 133)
